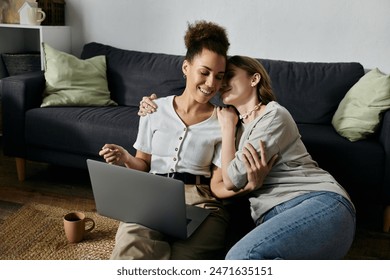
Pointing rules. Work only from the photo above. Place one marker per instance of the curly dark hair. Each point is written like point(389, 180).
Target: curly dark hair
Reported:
point(208, 35)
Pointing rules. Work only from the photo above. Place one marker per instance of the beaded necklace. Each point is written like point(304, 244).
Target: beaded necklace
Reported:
point(247, 114)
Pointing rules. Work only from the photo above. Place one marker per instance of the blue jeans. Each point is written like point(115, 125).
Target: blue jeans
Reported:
point(318, 225)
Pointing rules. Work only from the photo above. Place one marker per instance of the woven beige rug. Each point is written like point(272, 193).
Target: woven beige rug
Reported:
point(36, 232)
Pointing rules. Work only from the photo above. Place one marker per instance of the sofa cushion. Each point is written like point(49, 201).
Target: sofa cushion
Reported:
point(74, 82)
point(81, 130)
point(312, 91)
point(132, 75)
point(360, 112)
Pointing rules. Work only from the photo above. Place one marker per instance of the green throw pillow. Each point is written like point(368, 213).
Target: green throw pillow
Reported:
point(74, 82)
point(360, 112)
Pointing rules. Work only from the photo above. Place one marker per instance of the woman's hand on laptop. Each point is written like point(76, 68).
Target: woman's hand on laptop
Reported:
point(147, 106)
point(114, 154)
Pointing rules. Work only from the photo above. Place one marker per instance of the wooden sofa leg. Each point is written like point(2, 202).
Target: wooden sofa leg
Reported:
point(386, 219)
point(21, 168)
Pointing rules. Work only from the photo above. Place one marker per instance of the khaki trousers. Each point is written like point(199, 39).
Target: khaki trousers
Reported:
point(137, 242)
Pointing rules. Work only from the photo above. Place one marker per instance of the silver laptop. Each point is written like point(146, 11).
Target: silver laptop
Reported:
point(139, 197)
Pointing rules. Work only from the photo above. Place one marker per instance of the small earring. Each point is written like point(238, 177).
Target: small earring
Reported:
point(184, 76)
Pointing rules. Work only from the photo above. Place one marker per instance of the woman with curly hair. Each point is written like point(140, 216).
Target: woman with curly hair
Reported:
point(182, 140)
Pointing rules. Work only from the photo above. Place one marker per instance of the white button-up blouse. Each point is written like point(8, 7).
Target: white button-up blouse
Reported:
point(174, 146)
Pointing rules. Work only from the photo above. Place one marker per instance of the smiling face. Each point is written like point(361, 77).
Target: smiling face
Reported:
point(204, 75)
point(238, 86)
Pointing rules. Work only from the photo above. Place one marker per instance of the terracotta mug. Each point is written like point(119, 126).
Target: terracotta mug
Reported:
point(75, 226)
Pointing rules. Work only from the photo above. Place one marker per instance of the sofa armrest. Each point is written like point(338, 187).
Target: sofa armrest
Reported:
point(19, 94)
point(384, 138)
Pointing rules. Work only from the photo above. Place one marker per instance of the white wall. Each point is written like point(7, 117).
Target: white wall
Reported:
point(299, 30)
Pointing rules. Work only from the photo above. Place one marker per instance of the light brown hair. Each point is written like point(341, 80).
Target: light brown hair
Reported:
point(253, 66)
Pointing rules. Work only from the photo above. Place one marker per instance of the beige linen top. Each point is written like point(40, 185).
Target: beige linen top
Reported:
point(294, 173)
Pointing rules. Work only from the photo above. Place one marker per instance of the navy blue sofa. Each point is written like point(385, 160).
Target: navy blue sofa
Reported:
point(310, 91)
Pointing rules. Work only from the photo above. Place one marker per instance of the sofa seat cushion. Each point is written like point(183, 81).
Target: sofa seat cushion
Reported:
point(81, 130)
point(357, 165)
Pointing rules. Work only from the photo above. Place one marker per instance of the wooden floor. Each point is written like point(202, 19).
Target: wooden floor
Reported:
point(59, 186)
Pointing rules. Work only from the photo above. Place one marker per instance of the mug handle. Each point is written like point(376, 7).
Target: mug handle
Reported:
point(43, 16)
point(92, 225)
